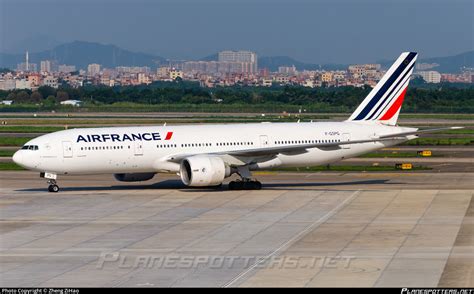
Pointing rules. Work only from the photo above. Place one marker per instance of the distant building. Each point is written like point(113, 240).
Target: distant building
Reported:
point(247, 59)
point(264, 72)
point(282, 80)
point(287, 70)
point(46, 66)
point(425, 66)
point(308, 83)
point(327, 77)
point(133, 69)
point(22, 84)
point(208, 67)
point(267, 82)
point(63, 68)
point(105, 80)
point(163, 72)
point(51, 81)
point(174, 74)
point(93, 69)
point(27, 67)
point(34, 79)
point(430, 76)
point(7, 84)
point(339, 75)
point(465, 77)
point(225, 67)
point(144, 79)
point(364, 70)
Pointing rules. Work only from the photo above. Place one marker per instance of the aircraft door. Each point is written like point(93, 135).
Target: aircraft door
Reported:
point(346, 137)
point(138, 147)
point(67, 149)
point(263, 141)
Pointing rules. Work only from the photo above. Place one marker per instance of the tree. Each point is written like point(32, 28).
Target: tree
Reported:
point(22, 97)
point(11, 96)
point(62, 96)
point(45, 91)
point(50, 101)
point(36, 97)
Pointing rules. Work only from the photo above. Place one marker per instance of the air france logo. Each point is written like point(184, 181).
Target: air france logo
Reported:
point(122, 137)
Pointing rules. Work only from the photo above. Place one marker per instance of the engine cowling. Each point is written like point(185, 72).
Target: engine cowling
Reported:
point(201, 171)
point(135, 177)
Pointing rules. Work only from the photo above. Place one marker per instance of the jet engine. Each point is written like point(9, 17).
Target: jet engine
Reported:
point(200, 171)
point(135, 177)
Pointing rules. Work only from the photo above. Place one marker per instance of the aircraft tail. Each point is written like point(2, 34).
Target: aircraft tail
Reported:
point(384, 102)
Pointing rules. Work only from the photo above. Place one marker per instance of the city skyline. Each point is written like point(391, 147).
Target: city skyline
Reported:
point(338, 31)
point(230, 69)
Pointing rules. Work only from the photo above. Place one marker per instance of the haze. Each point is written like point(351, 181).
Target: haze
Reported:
point(340, 31)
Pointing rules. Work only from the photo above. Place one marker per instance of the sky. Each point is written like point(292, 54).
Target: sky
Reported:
point(317, 31)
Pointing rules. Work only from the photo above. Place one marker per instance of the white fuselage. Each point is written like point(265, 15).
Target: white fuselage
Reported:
point(148, 148)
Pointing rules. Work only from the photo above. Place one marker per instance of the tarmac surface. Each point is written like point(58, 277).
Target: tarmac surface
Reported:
point(399, 229)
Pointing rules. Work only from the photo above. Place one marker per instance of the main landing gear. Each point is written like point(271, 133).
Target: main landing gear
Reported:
point(53, 186)
point(245, 183)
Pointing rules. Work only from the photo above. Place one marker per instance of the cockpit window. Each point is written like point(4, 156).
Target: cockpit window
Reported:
point(29, 147)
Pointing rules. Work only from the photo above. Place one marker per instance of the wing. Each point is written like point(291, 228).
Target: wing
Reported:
point(272, 151)
point(294, 149)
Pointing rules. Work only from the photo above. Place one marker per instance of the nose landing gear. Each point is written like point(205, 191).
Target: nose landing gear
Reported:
point(53, 187)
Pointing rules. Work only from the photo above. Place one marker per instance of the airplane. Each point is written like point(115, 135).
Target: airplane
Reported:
point(204, 155)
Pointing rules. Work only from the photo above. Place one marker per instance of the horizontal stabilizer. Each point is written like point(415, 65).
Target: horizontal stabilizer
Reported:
point(419, 132)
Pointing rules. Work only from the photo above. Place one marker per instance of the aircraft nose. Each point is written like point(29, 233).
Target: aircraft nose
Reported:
point(17, 157)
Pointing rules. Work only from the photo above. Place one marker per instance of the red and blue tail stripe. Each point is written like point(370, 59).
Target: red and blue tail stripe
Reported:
point(385, 100)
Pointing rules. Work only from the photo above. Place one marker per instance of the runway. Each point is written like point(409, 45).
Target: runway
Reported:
point(302, 229)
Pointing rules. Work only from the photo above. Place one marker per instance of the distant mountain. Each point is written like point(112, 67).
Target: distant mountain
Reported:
point(37, 43)
point(452, 63)
point(273, 62)
point(448, 64)
point(81, 54)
